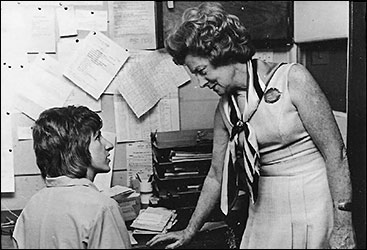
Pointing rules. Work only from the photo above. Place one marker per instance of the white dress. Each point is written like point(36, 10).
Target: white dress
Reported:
point(294, 206)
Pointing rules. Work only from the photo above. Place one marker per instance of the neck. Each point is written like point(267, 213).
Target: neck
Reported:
point(90, 174)
point(241, 77)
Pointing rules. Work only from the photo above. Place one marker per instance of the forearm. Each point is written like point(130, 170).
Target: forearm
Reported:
point(340, 186)
point(207, 200)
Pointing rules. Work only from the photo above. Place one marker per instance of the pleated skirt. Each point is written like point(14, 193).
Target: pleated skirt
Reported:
point(294, 208)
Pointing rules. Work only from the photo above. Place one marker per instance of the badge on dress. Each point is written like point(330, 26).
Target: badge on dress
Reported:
point(272, 95)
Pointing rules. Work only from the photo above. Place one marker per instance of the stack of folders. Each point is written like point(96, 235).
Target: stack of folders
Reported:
point(154, 220)
point(180, 156)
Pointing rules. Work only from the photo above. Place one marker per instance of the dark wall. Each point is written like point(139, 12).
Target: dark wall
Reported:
point(356, 143)
point(327, 62)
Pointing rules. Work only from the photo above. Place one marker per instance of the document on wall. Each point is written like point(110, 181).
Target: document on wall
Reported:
point(139, 160)
point(66, 47)
point(7, 154)
point(95, 20)
point(147, 77)
point(66, 21)
point(133, 24)
point(96, 63)
point(103, 180)
point(163, 117)
point(41, 27)
point(42, 88)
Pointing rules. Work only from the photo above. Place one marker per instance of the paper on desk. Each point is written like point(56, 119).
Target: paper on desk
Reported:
point(132, 239)
point(147, 77)
point(153, 219)
point(96, 63)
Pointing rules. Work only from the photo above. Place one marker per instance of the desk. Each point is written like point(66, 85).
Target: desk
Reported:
point(223, 234)
point(221, 238)
point(226, 237)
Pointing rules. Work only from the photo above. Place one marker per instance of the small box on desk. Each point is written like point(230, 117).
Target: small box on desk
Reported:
point(130, 206)
point(128, 200)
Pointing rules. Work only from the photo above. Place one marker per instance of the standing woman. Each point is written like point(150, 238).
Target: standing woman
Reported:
point(274, 122)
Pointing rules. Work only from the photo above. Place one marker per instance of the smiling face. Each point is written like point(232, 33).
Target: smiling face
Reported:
point(99, 149)
point(222, 79)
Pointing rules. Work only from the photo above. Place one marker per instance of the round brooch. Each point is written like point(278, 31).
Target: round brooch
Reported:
point(272, 95)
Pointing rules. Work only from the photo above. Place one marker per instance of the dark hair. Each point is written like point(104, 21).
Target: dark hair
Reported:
point(61, 138)
point(210, 32)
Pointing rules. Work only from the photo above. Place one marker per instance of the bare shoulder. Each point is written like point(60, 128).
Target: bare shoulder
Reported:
point(302, 85)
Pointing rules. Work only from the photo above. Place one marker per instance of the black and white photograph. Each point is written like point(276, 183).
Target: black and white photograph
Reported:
point(183, 125)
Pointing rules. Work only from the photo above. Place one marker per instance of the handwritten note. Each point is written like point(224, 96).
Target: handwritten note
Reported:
point(139, 160)
point(96, 63)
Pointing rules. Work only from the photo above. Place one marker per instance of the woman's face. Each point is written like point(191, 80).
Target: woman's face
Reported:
point(223, 79)
point(99, 149)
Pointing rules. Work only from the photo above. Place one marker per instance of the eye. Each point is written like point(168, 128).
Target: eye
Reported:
point(201, 71)
point(99, 135)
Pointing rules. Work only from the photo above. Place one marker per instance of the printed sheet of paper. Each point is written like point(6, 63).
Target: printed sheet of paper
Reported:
point(66, 21)
point(103, 180)
point(95, 20)
point(163, 117)
point(133, 24)
point(96, 63)
point(139, 160)
point(41, 27)
point(147, 77)
point(42, 88)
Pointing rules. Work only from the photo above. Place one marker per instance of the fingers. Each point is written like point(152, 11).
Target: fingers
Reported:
point(159, 238)
point(174, 245)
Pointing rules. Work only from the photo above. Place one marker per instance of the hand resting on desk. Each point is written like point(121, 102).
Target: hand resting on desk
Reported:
point(176, 239)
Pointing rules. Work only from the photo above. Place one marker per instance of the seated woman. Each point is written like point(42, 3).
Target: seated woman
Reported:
point(70, 212)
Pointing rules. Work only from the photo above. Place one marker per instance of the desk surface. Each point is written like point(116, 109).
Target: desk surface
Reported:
point(220, 238)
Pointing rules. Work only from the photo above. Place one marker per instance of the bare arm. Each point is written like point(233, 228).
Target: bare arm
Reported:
point(209, 194)
point(319, 121)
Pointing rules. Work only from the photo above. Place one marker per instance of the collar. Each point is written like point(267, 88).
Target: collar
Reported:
point(65, 181)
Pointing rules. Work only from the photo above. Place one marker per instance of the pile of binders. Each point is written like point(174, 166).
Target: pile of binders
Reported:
point(181, 161)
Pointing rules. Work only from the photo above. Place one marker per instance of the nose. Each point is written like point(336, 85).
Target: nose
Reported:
point(108, 144)
point(202, 81)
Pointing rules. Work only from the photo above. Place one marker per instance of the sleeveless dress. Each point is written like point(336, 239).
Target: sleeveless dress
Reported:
point(294, 205)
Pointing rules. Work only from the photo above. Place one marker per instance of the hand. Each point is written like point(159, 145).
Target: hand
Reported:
point(343, 238)
point(177, 239)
